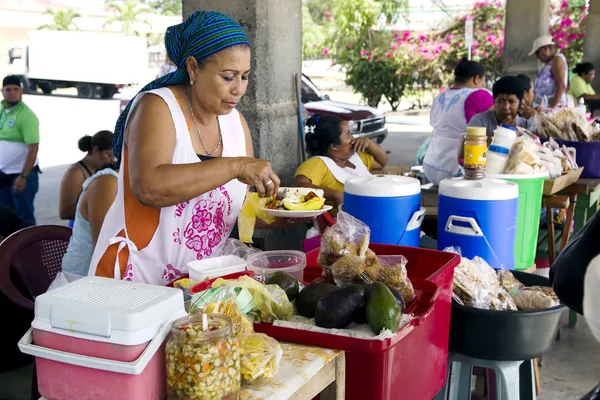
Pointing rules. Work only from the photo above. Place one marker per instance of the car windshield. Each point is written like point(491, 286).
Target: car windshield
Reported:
point(310, 91)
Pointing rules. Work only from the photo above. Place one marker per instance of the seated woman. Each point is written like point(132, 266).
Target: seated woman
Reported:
point(580, 85)
point(99, 150)
point(98, 194)
point(451, 111)
point(527, 110)
point(335, 157)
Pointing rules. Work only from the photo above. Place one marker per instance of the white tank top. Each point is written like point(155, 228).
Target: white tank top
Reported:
point(188, 231)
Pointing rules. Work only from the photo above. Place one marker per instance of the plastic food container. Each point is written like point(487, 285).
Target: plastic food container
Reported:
point(202, 364)
point(99, 338)
point(290, 261)
point(383, 372)
point(215, 267)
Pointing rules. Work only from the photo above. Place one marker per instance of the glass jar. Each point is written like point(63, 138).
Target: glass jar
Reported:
point(202, 364)
point(475, 158)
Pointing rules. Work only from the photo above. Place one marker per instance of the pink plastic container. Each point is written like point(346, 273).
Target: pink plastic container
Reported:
point(62, 381)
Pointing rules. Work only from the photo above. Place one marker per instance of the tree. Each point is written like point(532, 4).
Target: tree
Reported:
point(313, 36)
point(165, 7)
point(62, 20)
point(129, 13)
point(318, 10)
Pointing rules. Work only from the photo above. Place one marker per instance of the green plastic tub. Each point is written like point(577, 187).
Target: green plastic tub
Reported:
point(531, 188)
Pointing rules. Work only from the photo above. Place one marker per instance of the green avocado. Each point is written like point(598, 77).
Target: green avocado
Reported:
point(306, 302)
point(382, 309)
point(338, 308)
point(288, 283)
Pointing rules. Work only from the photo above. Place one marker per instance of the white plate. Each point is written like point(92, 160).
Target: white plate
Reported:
point(297, 214)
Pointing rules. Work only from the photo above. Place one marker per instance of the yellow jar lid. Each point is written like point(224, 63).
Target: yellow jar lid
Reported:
point(476, 131)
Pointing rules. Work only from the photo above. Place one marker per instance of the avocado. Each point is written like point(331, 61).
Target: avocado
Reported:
point(383, 311)
point(337, 309)
point(399, 299)
point(288, 283)
point(307, 299)
point(310, 205)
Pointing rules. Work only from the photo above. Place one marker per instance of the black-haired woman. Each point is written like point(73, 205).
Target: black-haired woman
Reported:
point(99, 149)
point(580, 85)
point(335, 157)
point(527, 110)
point(451, 111)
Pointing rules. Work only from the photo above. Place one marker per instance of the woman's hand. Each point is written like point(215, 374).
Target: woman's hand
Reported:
point(258, 173)
point(528, 112)
point(361, 145)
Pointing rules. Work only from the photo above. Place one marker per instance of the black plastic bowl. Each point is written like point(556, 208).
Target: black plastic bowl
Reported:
point(505, 335)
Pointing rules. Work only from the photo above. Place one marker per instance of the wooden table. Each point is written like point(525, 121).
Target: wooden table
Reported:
point(304, 373)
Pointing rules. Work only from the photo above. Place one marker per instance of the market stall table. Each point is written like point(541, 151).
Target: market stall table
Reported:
point(304, 372)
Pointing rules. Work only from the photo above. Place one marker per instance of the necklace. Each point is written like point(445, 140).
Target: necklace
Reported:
point(208, 153)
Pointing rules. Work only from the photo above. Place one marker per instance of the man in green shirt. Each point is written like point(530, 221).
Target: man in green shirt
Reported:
point(19, 142)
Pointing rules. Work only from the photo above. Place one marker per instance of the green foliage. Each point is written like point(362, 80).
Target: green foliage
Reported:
point(313, 36)
point(166, 7)
point(62, 20)
point(128, 14)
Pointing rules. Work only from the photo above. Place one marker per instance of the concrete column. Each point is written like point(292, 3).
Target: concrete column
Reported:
point(525, 21)
point(591, 50)
point(274, 28)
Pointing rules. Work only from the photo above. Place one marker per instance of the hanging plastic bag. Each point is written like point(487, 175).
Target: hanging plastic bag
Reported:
point(253, 207)
point(234, 247)
point(260, 356)
point(63, 278)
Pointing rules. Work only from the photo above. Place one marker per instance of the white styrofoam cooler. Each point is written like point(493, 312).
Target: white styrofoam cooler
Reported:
point(102, 336)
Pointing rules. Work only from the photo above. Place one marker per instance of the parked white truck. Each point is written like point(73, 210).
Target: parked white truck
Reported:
point(97, 64)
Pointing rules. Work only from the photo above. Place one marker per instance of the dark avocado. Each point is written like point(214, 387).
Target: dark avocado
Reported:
point(307, 299)
point(338, 308)
point(288, 283)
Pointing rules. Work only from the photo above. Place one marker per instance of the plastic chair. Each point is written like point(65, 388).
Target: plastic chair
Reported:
point(514, 380)
point(30, 259)
point(35, 255)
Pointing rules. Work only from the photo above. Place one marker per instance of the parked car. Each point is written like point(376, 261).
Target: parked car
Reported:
point(363, 121)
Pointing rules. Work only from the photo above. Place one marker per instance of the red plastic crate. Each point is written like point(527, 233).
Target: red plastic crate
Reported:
point(412, 365)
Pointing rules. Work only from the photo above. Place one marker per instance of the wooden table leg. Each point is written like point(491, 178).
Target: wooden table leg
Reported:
point(568, 221)
point(337, 389)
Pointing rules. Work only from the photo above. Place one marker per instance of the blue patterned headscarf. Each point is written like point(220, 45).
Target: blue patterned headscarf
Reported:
point(202, 34)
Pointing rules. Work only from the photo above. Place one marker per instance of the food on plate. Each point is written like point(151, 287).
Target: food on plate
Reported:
point(338, 308)
point(383, 311)
point(529, 300)
point(294, 200)
point(259, 356)
point(306, 302)
point(285, 281)
point(202, 369)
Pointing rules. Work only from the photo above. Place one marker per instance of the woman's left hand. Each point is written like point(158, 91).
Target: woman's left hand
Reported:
point(361, 145)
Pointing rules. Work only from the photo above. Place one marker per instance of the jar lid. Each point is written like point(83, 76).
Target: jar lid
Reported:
point(382, 186)
point(476, 131)
point(482, 189)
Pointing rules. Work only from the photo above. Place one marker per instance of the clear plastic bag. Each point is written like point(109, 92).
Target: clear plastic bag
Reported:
point(260, 356)
point(270, 302)
point(234, 247)
point(393, 274)
point(530, 300)
point(509, 282)
point(223, 300)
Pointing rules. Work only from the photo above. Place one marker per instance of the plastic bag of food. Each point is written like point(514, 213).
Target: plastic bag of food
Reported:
point(530, 300)
point(348, 237)
point(393, 274)
point(254, 207)
point(270, 302)
point(260, 356)
point(352, 268)
point(509, 282)
point(224, 300)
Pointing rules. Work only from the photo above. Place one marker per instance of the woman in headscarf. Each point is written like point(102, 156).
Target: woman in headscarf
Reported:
point(185, 157)
point(552, 80)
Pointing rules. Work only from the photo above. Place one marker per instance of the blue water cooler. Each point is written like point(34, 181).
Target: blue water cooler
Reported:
point(479, 217)
point(390, 205)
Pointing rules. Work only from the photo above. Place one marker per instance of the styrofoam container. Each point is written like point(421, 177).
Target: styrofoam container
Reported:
point(209, 268)
point(99, 338)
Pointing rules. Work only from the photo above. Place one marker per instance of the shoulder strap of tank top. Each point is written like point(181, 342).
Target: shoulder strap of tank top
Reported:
point(84, 168)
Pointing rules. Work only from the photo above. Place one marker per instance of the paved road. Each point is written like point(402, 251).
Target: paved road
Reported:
point(65, 118)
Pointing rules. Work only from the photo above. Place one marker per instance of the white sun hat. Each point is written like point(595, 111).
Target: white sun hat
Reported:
point(540, 42)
